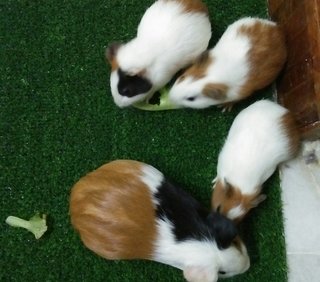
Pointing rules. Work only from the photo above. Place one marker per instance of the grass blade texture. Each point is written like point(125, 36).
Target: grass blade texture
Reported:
point(58, 122)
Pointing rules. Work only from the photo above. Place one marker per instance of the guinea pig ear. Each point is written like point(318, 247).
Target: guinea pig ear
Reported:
point(111, 51)
point(216, 91)
point(257, 200)
point(201, 274)
point(224, 229)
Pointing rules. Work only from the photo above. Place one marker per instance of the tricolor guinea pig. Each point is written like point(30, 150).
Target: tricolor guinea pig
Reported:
point(248, 57)
point(129, 210)
point(261, 137)
point(171, 35)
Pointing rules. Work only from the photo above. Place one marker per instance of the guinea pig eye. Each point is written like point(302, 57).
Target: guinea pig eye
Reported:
point(222, 272)
point(191, 98)
point(181, 78)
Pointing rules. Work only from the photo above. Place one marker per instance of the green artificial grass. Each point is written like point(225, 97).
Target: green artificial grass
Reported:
point(58, 122)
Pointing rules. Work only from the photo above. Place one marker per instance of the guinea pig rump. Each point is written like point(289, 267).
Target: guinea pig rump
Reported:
point(291, 130)
point(266, 56)
point(193, 6)
point(116, 223)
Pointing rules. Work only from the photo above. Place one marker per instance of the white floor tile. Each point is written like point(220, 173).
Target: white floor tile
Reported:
point(300, 181)
point(303, 268)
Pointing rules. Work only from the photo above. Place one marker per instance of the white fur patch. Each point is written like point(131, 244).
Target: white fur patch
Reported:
point(234, 262)
point(252, 20)
point(182, 254)
point(181, 93)
point(153, 178)
point(255, 145)
point(199, 259)
point(236, 212)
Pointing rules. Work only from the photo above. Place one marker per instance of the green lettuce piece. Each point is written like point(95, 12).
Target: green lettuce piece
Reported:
point(165, 103)
point(37, 224)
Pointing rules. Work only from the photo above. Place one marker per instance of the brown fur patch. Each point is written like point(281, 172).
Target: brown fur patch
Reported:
point(225, 197)
point(266, 57)
point(237, 242)
point(222, 200)
point(253, 200)
point(292, 132)
point(114, 64)
point(199, 69)
point(216, 91)
point(111, 55)
point(113, 212)
point(193, 6)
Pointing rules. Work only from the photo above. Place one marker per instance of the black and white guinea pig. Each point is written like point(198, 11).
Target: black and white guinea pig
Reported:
point(171, 35)
point(261, 137)
point(128, 210)
point(248, 57)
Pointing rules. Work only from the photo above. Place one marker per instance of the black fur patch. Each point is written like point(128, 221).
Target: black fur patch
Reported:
point(223, 228)
point(130, 86)
point(190, 220)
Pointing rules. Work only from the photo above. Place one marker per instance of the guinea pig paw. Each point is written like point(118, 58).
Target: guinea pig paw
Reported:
point(214, 180)
point(227, 107)
point(198, 274)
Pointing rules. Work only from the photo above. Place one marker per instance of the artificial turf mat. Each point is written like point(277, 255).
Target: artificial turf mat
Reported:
point(58, 122)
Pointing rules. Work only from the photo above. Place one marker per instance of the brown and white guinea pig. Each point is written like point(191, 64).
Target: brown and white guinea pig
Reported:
point(128, 210)
point(261, 137)
point(248, 57)
point(171, 35)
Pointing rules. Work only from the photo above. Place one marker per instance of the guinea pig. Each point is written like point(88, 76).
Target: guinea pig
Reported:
point(248, 57)
point(261, 137)
point(170, 36)
point(128, 210)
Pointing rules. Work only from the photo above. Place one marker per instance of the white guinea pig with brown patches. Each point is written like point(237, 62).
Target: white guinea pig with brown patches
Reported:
point(171, 35)
point(248, 57)
point(261, 137)
point(129, 210)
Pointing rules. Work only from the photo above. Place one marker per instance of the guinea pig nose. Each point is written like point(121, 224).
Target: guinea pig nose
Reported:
point(125, 91)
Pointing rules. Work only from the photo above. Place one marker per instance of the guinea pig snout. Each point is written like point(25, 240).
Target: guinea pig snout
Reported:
point(174, 94)
point(132, 85)
point(125, 91)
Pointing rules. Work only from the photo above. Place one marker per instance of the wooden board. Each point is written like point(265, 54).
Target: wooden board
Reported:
point(298, 87)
